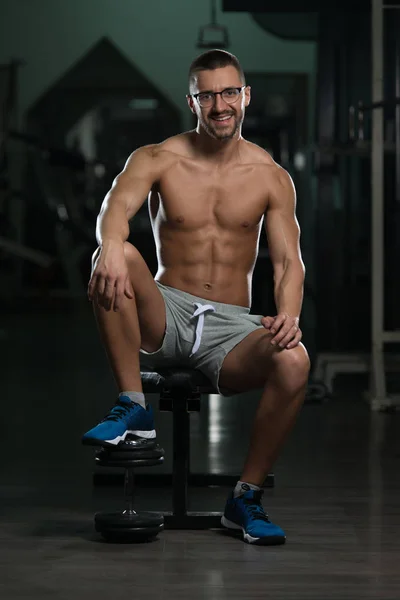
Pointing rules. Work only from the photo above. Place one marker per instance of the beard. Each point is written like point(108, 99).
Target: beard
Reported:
point(221, 132)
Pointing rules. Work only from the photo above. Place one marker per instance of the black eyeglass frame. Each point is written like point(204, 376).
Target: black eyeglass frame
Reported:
point(214, 94)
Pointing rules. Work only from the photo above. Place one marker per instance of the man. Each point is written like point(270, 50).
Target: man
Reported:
point(209, 192)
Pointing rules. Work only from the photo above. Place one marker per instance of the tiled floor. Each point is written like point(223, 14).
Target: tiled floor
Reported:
point(337, 489)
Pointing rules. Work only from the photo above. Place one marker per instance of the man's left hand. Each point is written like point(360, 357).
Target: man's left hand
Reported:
point(285, 330)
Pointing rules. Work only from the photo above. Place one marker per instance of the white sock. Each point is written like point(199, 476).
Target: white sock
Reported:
point(137, 397)
point(242, 487)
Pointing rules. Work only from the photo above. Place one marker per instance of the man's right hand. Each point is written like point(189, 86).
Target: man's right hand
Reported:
point(109, 282)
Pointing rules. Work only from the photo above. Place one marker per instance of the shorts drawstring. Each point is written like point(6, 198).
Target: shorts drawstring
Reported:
point(199, 314)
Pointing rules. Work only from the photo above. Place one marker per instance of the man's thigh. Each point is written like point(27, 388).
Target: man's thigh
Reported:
point(244, 367)
point(249, 365)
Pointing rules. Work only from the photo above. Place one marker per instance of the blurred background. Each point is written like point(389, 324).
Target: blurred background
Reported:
point(83, 83)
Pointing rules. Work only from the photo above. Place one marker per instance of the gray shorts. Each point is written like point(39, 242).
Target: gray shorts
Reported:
point(199, 334)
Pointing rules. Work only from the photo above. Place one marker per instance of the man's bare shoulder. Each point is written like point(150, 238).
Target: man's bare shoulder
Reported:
point(256, 155)
point(174, 148)
point(266, 166)
point(276, 181)
point(159, 156)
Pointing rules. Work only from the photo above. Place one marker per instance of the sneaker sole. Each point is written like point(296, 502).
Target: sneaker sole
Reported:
point(148, 435)
point(271, 540)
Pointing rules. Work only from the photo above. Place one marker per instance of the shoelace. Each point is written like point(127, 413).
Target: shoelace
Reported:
point(254, 507)
point(119, 410)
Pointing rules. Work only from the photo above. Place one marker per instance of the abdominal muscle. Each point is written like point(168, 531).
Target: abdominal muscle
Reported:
point(218, 270)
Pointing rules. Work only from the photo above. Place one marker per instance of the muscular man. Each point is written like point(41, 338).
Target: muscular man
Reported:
point(209, 192)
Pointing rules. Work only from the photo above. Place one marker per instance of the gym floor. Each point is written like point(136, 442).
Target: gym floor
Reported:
point(336, 492)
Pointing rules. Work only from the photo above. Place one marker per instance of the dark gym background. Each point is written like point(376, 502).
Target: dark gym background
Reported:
point(82, 84)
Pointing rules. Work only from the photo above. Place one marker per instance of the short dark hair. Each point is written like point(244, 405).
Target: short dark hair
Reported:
point(214, 59)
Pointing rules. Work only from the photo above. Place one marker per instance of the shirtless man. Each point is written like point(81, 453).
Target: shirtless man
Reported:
point(209, 192)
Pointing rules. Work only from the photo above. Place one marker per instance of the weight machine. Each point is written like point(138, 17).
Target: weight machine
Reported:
point(379, 398)
point(375, 363)
point(12, 206)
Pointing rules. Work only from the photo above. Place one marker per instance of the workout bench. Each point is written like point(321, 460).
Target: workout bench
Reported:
point(180, 391)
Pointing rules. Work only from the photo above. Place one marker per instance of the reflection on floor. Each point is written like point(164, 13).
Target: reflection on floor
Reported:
point(336, 495)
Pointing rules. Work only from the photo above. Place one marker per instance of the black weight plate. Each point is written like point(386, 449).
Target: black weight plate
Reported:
point(140, 524)
point(137, 443)
point(112, 455)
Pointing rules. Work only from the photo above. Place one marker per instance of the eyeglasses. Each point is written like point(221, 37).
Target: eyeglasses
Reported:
point(229, 95)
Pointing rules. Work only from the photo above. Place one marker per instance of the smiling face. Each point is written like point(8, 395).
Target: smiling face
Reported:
point(221, 120)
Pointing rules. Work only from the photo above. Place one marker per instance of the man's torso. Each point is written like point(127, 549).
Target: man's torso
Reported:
point(207, 218)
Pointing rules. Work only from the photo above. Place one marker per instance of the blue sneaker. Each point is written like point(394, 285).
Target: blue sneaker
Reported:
point(246, 513)
point(126, 418)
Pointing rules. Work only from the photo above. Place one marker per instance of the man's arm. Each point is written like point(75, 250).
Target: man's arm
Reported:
point(109, 282)
point(283, 234)
point(127, 194)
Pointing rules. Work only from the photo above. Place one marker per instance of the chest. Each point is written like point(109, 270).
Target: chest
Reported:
point(190, 200)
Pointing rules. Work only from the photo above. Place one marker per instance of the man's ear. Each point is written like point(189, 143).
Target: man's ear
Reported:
point(247, 95)
point(190, 103)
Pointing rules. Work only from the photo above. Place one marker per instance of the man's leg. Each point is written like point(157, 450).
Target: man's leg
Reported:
point(140, 323)
point(281, 400)
point(283, 376)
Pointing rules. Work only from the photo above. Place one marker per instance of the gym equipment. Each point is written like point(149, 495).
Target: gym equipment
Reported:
point(180, 391)
point(379, 398)
point(369, 136)
point(12, 202)
point(129, 525)
point(213, 35)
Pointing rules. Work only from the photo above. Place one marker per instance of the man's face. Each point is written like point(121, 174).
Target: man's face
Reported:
point(221, 120)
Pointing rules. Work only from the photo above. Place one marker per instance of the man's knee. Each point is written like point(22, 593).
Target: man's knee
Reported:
point(134, 260)
point(131, 253)
point(292, 367)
